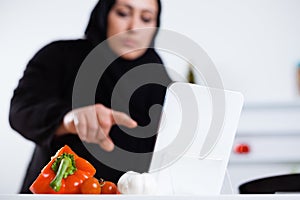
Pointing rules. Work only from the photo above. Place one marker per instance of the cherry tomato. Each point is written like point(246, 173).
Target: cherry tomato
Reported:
point(90, 186)
point(108, 187)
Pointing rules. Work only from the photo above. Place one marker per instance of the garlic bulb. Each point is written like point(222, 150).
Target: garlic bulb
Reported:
point(136, 183)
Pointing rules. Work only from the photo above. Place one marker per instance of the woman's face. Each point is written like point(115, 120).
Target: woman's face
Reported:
point(130, 17)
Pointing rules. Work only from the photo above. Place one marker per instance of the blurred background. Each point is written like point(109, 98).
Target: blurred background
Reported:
point(254, 44)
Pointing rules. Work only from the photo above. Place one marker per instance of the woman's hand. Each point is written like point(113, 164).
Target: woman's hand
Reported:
point(93, 123)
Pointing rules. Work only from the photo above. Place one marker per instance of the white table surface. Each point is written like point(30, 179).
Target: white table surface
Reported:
point(138, 197)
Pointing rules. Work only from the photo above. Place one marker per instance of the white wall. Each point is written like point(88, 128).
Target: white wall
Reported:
point(255, 45)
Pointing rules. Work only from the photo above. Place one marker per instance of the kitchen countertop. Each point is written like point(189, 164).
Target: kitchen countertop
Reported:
point(138, 197)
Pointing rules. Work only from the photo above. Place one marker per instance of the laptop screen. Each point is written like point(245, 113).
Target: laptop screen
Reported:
point(195, 138)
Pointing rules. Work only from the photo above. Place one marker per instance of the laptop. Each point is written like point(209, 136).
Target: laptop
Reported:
point(195, 138)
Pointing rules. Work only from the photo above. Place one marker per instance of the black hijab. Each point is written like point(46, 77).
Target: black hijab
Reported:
point(141, 100)
point(97, 26)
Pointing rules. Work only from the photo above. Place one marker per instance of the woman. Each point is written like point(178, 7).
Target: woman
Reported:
point(41, 107)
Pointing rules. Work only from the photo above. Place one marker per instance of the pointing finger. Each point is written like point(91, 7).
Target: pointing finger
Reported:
point(121, 118)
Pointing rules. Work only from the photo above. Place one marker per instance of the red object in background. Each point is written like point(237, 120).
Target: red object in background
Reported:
point(242, 148)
